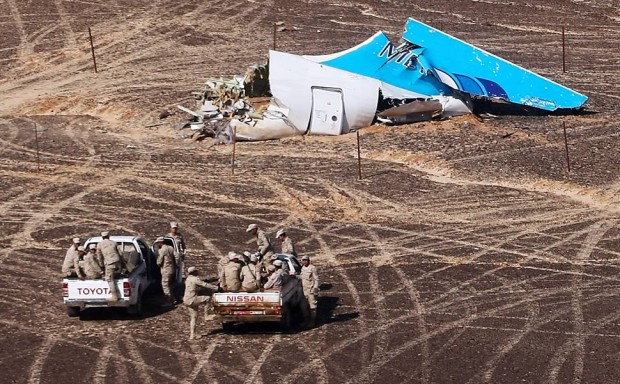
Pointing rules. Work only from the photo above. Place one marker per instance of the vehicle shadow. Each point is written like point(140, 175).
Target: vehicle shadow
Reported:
point(251, 328)
point(326, 306)
point(151, 308)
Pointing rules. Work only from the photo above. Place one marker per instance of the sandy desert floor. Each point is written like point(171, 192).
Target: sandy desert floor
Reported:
point(467, 254)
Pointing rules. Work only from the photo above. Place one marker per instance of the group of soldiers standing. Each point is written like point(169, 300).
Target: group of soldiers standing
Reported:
point(252, 272)
point(247, 272)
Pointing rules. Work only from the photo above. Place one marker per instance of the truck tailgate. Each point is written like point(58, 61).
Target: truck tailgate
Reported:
point(243, 299)
point(92, 290)
point(259, 306)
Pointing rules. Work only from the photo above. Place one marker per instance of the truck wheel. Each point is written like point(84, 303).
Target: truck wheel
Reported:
point(73, 311)
point(285, 320)
point(227, 326)
point(135, 309)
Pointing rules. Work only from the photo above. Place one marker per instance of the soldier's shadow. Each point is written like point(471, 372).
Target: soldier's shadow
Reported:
point(326, 305)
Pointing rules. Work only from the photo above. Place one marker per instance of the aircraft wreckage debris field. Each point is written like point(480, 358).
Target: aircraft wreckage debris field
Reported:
point(467, 253)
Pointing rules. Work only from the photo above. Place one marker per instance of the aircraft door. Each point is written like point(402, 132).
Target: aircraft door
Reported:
point(327, 111)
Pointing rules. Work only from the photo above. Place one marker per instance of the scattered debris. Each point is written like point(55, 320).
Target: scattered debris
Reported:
point(430, 75)
point(412, 112)
point(155, 125)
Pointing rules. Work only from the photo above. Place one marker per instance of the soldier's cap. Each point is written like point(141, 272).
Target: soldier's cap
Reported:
point(271, 268)
point(280, 233)
point(105, 233)
point(92, 246)
point(160, 240)
point(305, 258)
point(251, 227)
point(76, 240)
point(277, 263)
point(232, 256)
point(191, 269)
point(80, 248)
point(174, 224)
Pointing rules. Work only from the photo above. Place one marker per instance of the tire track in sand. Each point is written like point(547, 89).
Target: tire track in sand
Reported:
point(65, 23)
point(36, 369)
point(201, 363)
point(25, 48)
point(577, 343)
point(253, 377)
point(137, 360)
point(370, 373)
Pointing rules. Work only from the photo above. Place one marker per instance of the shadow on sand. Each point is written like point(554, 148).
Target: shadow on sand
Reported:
point(326, 305)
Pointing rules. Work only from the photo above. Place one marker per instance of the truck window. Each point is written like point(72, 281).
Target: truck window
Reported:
point(130, 254)
point(143, 248)
point(296, 265)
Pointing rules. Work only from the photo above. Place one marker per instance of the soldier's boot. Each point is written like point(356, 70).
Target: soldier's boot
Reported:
point(208, 316)
point(168, 301)
point(113, 294)
point(312, 321)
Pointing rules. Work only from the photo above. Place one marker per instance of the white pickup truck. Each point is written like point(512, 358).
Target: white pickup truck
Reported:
point(142, 272)
point(284, 306)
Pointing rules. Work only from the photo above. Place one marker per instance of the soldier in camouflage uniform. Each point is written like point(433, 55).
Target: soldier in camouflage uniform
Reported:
point(310, 282)
point(276, 277)
point(92, 269)
point(221, 263)
point(174, 232)
point(110, 259)
point(167, 263)
point(265, 249)
point(250, 274)
point(68, 265)
point(78, 263)
point(230, 278)
point(192, 300)
point(287, 243)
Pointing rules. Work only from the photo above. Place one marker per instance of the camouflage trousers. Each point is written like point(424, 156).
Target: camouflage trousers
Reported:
point(110, 270)
point(193, 312)
point(167, 281)
point(311, 297)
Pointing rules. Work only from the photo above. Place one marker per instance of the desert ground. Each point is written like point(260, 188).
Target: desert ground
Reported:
point(468, 252)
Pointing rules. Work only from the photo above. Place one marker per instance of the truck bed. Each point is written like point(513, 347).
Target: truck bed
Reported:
point(259, 306)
